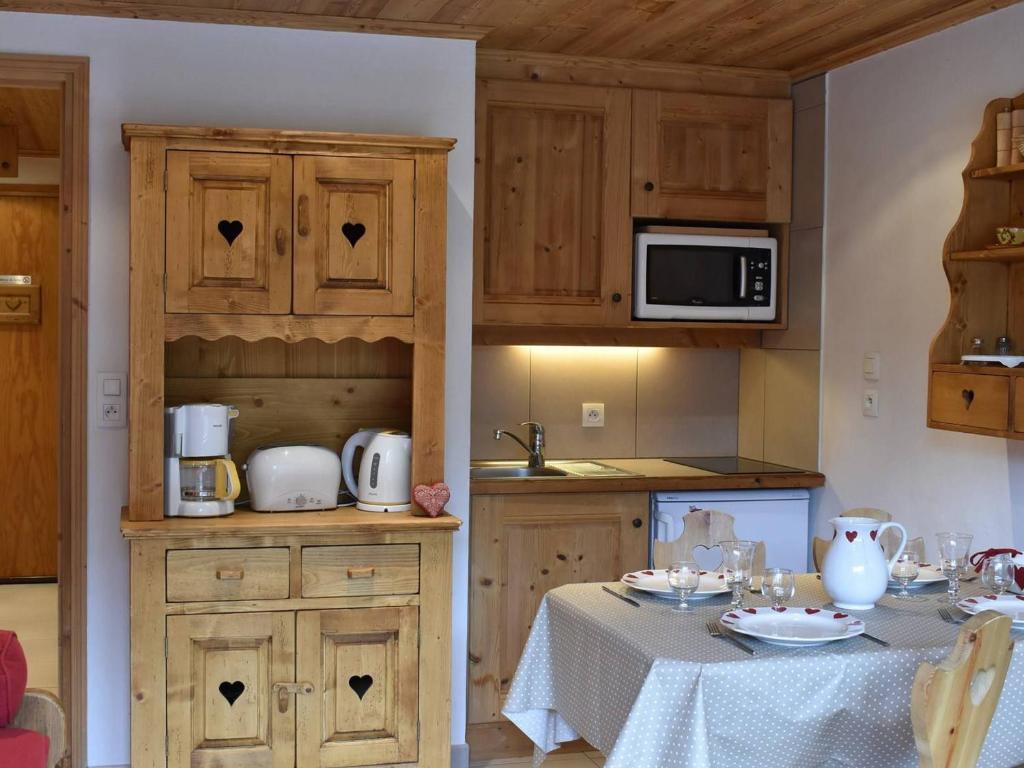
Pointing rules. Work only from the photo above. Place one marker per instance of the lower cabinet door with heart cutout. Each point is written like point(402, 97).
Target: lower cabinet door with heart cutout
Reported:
point(221, 707)
point(364, 666)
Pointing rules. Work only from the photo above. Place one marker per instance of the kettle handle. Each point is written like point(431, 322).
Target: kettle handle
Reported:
point(899, 550)
point(360, 439)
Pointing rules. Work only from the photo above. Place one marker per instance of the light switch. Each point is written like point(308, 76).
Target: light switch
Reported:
point(111, 387)
point(869, 406)
point(872, 366)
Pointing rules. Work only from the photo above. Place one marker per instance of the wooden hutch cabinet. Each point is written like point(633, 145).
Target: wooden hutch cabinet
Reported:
point(300, 277)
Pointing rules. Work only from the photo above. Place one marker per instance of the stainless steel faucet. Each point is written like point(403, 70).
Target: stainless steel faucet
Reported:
point(536, 438)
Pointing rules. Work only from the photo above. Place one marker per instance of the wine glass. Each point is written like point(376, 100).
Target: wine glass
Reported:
point(905, 570)
point(778, 585)
point(953, 549)
point(998, 573)
point(684, 578)
point(737, 564)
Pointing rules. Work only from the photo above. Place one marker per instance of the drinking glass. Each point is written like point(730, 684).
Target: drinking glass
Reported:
point(905, 570)
point(953, 549)
point(998, 573)
point(778, 585)
point(684, 578)
point(737, 564)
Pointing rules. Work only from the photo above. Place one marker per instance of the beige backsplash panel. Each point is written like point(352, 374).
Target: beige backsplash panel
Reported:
point(658, 401)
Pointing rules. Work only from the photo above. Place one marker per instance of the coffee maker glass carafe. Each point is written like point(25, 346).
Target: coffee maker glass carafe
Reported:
point(208, 479)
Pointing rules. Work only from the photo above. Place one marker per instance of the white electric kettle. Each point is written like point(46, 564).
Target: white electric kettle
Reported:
point(384, 471)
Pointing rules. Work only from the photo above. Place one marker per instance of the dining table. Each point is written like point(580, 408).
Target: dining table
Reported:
point(650, 687)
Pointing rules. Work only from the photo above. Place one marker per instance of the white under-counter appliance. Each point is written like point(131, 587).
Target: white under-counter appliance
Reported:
point(778, 517)
point(681, 276)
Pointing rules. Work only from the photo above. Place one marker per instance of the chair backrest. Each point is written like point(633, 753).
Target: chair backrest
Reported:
point(41, 712)
point(702, 528)
point(952, 703)
point(818, 550)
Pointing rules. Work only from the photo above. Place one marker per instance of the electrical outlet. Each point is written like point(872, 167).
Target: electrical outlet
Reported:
point(593, 415)
point(111, 413)
point(869, 405)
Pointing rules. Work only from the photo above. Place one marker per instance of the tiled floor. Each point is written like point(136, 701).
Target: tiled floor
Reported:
point(31, 611)
point(574, 760)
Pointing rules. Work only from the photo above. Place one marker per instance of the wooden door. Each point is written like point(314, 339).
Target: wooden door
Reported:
point(354, 220)
point(229, 232)
point(29, 381)
point(222, 711)
point(697, 156)
point(523, 545)
point(363, 664)
point(553, 231)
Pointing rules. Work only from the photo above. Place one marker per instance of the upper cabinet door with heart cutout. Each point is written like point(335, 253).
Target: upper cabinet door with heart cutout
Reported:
point(353, 235)
point(229, 232)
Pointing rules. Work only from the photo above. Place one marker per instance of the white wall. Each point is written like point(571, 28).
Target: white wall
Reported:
point(144, 71)
point(900, 126)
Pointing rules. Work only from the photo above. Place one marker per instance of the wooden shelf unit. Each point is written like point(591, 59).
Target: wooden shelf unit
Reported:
point(986, 297)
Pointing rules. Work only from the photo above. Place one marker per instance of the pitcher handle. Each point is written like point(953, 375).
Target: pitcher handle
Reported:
point(903, 543)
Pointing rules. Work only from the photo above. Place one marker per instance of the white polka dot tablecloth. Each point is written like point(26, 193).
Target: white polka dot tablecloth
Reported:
point(651, 688)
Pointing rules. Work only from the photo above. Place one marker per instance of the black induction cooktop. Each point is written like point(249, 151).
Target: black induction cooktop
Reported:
point(731, 465)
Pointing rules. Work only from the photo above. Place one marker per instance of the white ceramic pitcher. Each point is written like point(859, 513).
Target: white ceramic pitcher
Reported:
point(855, 572)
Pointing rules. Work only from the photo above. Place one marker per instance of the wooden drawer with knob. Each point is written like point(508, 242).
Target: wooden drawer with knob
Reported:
point(195, 575)
point(977, 401)
point(360, 570)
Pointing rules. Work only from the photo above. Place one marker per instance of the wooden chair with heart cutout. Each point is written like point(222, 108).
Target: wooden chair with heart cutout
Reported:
point(703, 528)
point(952, 703)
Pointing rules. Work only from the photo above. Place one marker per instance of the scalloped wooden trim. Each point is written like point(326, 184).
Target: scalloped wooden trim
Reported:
point(289, 328)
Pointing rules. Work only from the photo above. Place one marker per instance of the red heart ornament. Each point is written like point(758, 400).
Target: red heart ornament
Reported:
point(850, 536)
point(432, 497)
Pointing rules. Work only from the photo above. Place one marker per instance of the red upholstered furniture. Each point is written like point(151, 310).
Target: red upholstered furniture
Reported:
point(19, 747)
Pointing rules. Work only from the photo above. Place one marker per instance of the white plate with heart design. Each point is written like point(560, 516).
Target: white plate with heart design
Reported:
point(1011, 605)
point(927, 574)
point(793, 626)
point(656, 583)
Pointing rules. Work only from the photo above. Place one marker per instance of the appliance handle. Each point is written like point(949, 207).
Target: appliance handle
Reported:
point(360, 439)
point(743, 277)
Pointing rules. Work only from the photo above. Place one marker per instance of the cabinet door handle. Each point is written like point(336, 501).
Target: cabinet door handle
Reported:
point(649, 186)
point(968, 396)
point(638, 523)
point(365, 572)
point(303, 216)
point(230, 574)
point(285, 691)
point(616, 297)
point(279, 241)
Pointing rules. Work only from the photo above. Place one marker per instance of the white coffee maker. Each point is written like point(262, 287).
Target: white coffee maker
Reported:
point(200, 479)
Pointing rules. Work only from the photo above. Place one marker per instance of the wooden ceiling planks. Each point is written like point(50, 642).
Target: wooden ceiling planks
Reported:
point(801, 37)
point(36, 113)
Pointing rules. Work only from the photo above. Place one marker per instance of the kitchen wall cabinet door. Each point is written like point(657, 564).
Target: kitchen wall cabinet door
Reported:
point(354, 235)
point(363, 664)
point(698, 156)
point(553, 230)
point(221, 671)
point(523, 545)
point(229, 223)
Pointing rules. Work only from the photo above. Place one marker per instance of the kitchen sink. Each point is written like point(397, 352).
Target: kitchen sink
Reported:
point(498, 473)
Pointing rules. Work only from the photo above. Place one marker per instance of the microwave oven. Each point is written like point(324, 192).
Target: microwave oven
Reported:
point(704, 277)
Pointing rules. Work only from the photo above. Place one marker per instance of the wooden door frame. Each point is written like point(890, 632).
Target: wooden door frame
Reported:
point(71, 74)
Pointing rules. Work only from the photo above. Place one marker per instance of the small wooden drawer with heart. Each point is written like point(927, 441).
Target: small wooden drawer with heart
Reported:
point(978, 401)
point(360, 570)
point(20, 304)
point(227, 574)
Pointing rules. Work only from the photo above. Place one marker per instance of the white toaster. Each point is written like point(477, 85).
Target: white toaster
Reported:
point(293, 478)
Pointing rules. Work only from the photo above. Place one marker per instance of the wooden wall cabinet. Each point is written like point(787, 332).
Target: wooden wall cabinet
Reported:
point(704, 156)
point(986, 285)
point(564, 172)
point(521, 546)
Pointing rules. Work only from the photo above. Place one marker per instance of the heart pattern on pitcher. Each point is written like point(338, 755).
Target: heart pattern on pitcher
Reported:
point(850, 536)
point(874, 534)
point(432, 497)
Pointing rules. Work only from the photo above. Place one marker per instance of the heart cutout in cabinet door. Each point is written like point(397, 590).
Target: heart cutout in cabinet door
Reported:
point(231, 691)
point(230, 230)
point(353, 232)
point(360, 684)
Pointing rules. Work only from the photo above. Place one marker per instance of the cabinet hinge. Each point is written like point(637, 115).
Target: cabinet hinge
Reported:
point(165, 179)
point(165, 648)
point(165, 282)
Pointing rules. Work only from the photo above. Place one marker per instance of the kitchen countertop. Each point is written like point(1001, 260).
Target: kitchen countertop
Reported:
point(649, 475)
